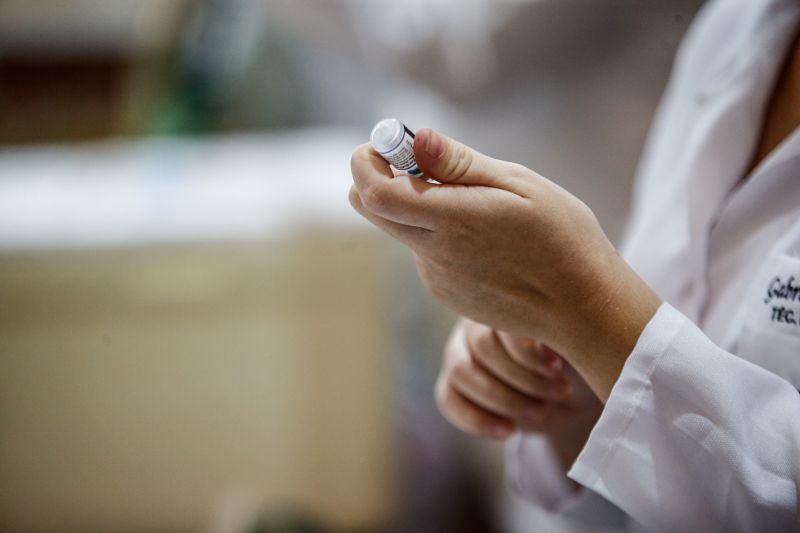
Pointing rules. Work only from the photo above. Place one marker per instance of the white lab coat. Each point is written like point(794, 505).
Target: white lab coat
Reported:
point(701, 433)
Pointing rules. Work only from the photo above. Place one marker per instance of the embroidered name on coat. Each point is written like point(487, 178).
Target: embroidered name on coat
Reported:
point(780, 292)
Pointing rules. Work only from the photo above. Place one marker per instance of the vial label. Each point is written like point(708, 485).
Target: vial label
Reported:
point(402, 158)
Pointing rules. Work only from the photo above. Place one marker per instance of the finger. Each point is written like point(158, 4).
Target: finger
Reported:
point(485, 347)
point(409, 235)
point(553, 361)
point(485, 390)
point(469, 417)
point(448, 161)
point(531, 354)
point(403, 199)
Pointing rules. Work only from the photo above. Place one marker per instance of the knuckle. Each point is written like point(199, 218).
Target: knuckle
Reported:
point(479, 337)
point(474, 424)
point(518, 170)
point(354, 198)
point(425, 279)
point(359, 156)
point(460, 372)
point(374, 198)
point(441, 394)
point(458, 417)
point(481, 349)
point(496, 394)
point(360, 164)
point(484, 342)
point(434, 280)
point(459, 163)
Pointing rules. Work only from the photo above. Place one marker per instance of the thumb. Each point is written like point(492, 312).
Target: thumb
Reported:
point(449, 161)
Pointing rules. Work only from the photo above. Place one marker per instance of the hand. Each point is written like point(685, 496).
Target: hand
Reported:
point(492, 383)
point(504, 246)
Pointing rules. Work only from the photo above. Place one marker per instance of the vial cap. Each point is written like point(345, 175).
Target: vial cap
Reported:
point(387, 134)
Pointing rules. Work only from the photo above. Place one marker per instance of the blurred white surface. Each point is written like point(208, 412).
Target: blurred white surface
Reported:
point(118, 193)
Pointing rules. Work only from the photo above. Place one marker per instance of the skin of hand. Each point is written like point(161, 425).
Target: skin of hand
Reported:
point(492, 383)
point(503, 246)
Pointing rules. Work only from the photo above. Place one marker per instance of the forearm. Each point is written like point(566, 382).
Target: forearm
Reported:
point(601, 331)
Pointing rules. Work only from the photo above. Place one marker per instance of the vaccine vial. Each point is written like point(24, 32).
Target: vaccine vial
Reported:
point(395, 143)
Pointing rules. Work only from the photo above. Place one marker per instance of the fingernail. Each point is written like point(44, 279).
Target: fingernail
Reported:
point(551, 367)
point(555, 363)
point(434, 145)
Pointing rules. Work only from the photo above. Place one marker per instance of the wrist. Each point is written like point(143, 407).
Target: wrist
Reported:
point(606, 329)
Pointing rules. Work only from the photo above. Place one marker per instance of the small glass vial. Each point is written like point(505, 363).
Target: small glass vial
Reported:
point(395, 143)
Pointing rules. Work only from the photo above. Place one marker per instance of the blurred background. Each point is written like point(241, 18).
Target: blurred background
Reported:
point(196, 331)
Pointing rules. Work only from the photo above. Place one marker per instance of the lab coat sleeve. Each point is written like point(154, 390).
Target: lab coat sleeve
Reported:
point(694, 438)
point(535, 474)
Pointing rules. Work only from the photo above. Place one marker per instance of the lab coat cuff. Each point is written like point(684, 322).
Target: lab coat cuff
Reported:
point(535, 474)
point(626, 397)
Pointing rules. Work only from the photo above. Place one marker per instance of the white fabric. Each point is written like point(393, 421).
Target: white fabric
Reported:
point(550, 488)
point(696, 439)
point(702, 430)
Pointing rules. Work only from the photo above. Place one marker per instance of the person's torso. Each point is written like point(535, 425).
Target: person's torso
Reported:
point(722, 249)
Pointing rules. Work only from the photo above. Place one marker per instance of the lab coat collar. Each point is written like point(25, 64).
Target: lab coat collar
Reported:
point(731, 103)
point(772, 192)
point(765, 31)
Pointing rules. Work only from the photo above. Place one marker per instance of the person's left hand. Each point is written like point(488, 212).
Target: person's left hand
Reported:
point(502, 245)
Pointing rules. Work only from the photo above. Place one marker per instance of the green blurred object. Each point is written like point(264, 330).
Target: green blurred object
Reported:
point(236, 71)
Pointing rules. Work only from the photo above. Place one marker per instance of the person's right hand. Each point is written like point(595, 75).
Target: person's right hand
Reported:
point(492, 383)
